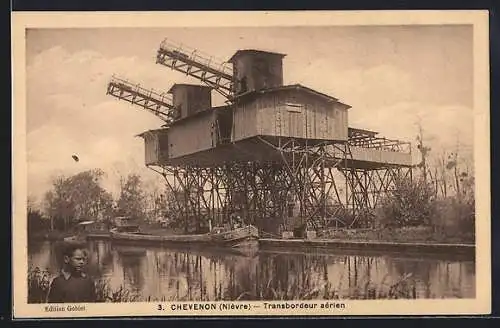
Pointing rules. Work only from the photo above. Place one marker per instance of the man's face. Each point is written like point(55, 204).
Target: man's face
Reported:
point(77, 261)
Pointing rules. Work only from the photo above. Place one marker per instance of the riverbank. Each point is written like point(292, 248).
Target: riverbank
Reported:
point(408, 240)
point(58, 235)
point(269, 244)
point(54, 235)
point(419, 234)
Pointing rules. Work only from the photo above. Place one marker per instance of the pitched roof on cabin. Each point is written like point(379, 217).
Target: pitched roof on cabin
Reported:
point(176, 85)
point(254, 51)
point(142, 134)
point(183, 120)
point(297, 87)
point(205, 111)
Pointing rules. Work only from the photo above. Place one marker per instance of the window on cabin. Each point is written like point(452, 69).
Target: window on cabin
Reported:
point(294, 107)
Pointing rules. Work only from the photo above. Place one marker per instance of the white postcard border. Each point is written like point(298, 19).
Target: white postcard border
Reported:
point(479, 19)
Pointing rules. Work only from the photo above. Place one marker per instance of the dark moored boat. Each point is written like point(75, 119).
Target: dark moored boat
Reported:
point(244, 239)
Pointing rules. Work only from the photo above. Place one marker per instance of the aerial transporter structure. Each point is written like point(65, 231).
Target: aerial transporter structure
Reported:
point(275, 154)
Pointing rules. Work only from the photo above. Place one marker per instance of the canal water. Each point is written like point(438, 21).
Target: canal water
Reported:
point(153, 273)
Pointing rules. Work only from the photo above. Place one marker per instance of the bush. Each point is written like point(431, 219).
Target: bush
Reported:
point(411, 203)
point(455, 217)
point(106, 294)
point(38, 285)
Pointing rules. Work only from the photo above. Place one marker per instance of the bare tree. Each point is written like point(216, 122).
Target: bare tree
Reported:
point(444, 179)
point(424, 151)
point(31, 203)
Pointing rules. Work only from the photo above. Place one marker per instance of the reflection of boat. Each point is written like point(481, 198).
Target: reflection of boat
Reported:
point(130, 250)
point(244, 239)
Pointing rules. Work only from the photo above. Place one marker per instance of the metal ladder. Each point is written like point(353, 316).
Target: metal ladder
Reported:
point(215, 73)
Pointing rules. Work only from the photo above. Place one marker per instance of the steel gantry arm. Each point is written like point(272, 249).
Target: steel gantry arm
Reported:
point(216, 74)
point(160, 104)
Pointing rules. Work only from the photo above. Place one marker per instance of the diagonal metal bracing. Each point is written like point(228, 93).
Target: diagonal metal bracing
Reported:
point(260, 192)
point(367, 187)
point(159, 104)
point(310, 181)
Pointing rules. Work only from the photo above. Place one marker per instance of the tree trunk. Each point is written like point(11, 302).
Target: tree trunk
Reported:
point(436, 182)
point(457, 181)
point(443, 181)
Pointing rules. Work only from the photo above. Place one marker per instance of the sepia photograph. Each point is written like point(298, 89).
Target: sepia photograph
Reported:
point(231, 167)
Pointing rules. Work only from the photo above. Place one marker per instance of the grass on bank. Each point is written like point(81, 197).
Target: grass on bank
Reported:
point(419, 234)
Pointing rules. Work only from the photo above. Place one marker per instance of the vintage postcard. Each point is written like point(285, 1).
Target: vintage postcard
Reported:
point(251, 164)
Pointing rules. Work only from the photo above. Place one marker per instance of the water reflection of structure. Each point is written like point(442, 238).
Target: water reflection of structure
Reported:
point(176, 274)
point(197, 276)
point(103, 256)
point(187, 276)
point(308, 277)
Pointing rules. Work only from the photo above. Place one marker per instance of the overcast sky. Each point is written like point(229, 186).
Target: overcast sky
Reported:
point(391, 76)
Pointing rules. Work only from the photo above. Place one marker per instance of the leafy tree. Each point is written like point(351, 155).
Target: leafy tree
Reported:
point(180, 208)
point(36, 220)
point(132, 197)
point(156, 204)
point(76, 198)
point(175, 209)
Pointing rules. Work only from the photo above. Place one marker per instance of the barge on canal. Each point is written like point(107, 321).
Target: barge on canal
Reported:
point(244, 239)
